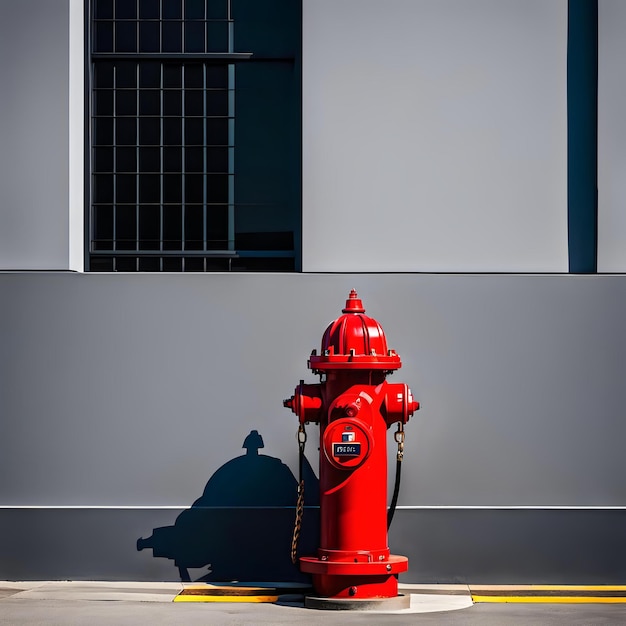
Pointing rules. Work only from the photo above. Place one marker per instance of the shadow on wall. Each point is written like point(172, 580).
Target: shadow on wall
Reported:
point(242, 525)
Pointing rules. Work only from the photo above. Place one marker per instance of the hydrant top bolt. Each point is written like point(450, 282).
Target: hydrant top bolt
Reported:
point(353, 303)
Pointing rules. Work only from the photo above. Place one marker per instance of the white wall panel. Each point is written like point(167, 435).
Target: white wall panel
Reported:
point(76, 116)
point(434, 135)
point(611, 136)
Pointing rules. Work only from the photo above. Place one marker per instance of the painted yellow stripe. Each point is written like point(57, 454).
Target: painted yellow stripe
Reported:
point(552, 599)
point(547, 587)
point(209, 598)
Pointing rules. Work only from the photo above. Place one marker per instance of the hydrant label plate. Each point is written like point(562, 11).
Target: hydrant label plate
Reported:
point(346, 449)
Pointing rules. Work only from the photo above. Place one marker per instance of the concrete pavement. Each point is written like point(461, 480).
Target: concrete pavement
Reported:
point(96, 603)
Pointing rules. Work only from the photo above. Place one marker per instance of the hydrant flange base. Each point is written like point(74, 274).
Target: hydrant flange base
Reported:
point(396, 564)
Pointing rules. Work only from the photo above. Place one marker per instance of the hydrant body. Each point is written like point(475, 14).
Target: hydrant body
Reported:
point(354, 406)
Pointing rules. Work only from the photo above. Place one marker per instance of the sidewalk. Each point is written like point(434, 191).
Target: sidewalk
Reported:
point(424, 598)
point(70, 603)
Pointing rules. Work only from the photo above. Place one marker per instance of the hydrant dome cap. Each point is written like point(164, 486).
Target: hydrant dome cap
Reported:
point(354, 341)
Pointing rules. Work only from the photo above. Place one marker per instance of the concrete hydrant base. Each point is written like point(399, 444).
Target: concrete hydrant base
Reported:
point(358, 604)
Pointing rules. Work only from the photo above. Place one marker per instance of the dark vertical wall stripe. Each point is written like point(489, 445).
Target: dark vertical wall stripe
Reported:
point(582, 134)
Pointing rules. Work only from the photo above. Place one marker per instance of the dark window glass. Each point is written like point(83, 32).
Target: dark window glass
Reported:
point(217, 36)
point(194, 103)
point(125, 75)
point(126, 102)
point(217, 9)
point(149, 131)
point(194, 9)
point(164, 149)
point(172, 188)
point(217, 159)
point(172, 37)
point(103, 131)
point(126, 159)
point(149, 188)
point(103, 226)
point(103, 159)
point(194, 264)
point(150, 74)
point(217, 265)
point(194, 37)
point(125, 10)
point(217, 188)
point(149, 35)
point(173, 227)
point(104, 37)
point(172, 264)
point(101, 264)
point(103, 102)
point(194, 159)
point(217, 132)
point(149, 264)
point(126, 37)
point(172, 159)
point(149, 159)
point(149, 102)
point(217, 226)
point(172, 102)
point(194, 76)
point(103, 9)
point(125, 188)
point(263, 264)
point(103, 75)
point(125, 228)
point(103, 188)
point(194, 135)
point(217, 102)
point(172, 76)
point(172, 9)
point(194, 188)
point(216, 76)
point(172, 131)
point(149, 9)
point(125, 264)
point(126, 131)
point(149, 227)
point(193, 228)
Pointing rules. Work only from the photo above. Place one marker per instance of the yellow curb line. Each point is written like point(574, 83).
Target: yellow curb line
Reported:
point(552, 599)
point(208, 598)
point(547, 588)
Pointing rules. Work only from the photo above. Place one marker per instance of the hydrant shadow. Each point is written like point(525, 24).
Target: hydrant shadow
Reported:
point(242, 525)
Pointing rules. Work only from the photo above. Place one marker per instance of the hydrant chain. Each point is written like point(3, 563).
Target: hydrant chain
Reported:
point(399, 437)
point(301, 436)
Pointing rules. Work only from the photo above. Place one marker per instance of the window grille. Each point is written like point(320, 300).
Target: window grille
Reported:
point(164, 142)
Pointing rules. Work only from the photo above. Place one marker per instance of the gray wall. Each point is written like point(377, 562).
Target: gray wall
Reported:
point(122, 395)
point(611, 136)
point(34, 135)
point(434, 135)
point(129, 391)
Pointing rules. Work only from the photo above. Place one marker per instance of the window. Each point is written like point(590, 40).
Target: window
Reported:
point(195, 147)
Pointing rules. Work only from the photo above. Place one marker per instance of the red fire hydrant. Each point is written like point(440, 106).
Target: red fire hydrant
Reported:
point(354, 406)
